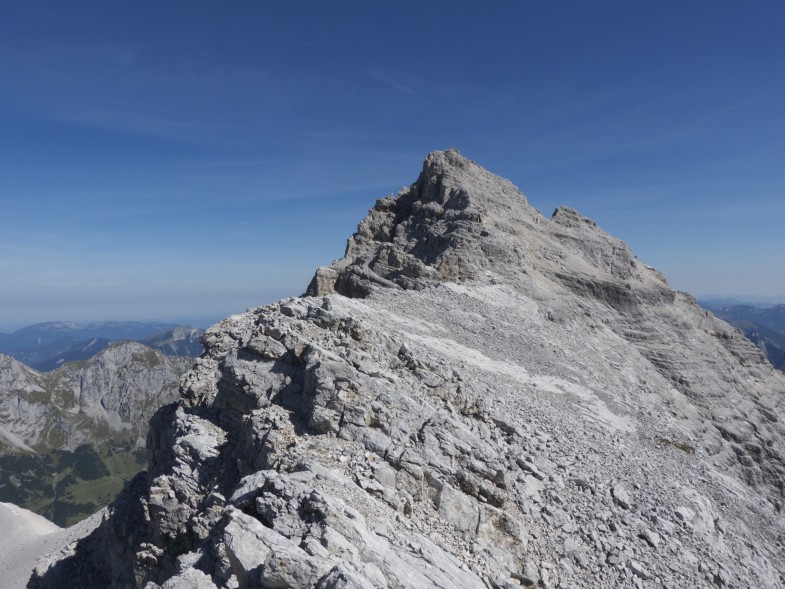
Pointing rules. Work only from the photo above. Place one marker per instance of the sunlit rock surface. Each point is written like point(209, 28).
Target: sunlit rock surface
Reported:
point(475, 396)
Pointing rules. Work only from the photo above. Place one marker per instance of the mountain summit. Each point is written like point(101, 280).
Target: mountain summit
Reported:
point(474, 396)
point(458, 222)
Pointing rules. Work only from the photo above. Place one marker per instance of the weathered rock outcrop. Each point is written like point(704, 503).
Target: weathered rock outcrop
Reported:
point(474, 396)
point(764, 326)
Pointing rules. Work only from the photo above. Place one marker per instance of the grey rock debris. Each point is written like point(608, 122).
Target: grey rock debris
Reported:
point(475, 396)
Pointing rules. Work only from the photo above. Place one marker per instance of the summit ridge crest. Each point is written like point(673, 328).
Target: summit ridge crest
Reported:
point(458, 222)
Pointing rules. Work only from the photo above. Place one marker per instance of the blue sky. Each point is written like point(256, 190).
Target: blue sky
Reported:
point(186, 160)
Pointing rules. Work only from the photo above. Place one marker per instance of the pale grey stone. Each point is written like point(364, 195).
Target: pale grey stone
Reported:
point(475, 395)
point(622, 496)
point(530, 575)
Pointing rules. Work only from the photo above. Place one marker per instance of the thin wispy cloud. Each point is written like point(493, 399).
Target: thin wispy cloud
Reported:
point(394, 83)
point(142, 124)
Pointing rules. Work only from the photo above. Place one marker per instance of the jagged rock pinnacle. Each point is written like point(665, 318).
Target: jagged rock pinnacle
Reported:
point(432, 231)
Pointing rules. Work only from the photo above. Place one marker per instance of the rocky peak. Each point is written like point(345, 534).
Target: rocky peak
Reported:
point(459, 222)
point(433, 231)
point(500, 400)
point(12, 368)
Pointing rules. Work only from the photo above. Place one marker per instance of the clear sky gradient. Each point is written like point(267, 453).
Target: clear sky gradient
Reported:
point(186, 160)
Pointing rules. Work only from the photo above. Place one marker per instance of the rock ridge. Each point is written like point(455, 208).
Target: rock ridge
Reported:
point(474, 396)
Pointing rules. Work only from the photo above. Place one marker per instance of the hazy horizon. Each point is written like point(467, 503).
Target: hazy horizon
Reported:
point(208, 320)
point(86, 313)
point(193, 159)
point(200, 323)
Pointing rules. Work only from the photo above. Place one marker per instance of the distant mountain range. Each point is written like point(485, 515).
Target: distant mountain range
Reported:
point(179, 341)
point(763, 324)
point(46, 346)
point(70, 437)
point(75, 401)
point(761, 301)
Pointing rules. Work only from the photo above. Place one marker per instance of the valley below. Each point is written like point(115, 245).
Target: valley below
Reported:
point(71, 438)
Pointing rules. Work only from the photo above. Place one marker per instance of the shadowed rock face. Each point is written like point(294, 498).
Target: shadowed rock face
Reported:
point(431, 232)
point(474, 396)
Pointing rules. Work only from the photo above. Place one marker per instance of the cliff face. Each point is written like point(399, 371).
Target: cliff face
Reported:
point(118, 390)
point(474, 396)
point(764, 326)
point(69, 437)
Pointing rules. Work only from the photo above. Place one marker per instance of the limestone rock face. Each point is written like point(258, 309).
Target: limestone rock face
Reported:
point(118, 390)
point(474, 396)
point(70, 437)
point(458, 222)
